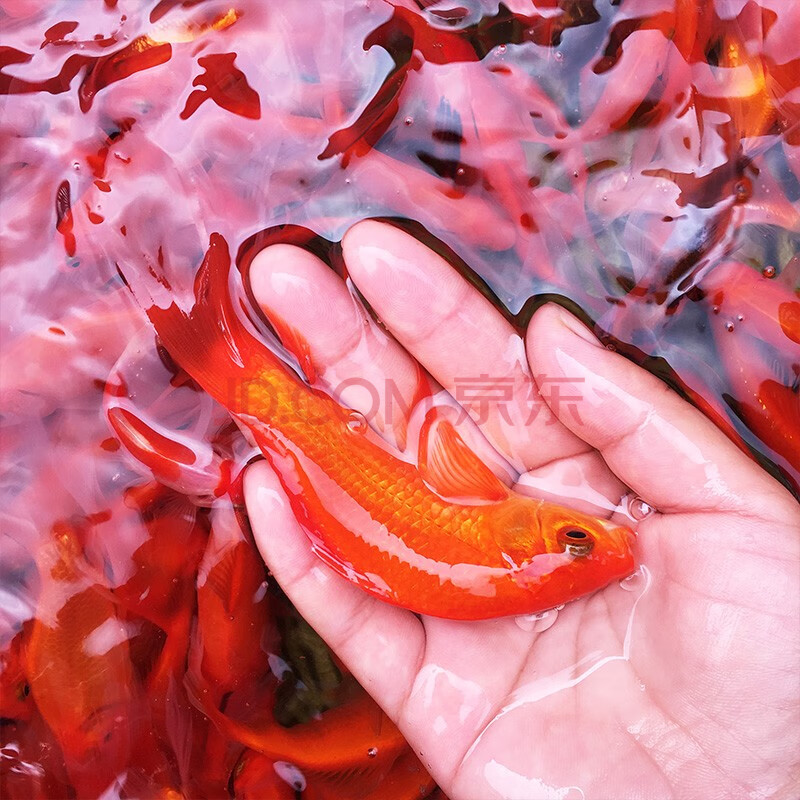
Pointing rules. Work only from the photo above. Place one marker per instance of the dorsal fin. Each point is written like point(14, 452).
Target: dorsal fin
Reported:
point(450, 468)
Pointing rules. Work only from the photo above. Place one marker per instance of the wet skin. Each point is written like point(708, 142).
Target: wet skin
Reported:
point(686, 689)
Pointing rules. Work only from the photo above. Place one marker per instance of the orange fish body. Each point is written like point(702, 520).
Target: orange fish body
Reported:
point(258, 776)
point(473, 549)
point(78, 666)
point(351, 765)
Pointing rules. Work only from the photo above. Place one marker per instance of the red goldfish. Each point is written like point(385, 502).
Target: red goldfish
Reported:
point(353, 765)
point(257, 776)
point(756, 324)
point(372, 516)
point(235, 631)
point(78, 665)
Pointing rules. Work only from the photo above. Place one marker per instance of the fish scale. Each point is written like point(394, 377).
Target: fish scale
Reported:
point(393, 489)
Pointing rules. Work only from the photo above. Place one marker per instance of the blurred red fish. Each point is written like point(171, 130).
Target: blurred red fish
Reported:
point(78, 665)
point(756, 324)
point(353, 765)
point(235, 631)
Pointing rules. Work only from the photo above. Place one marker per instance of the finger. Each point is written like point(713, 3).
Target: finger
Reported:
point(325, 326)
point(655, 442)
point(584, 482)
point(380, 644)
point(460, 338)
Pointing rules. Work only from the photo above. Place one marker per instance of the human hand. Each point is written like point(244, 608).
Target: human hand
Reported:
point(686, 687)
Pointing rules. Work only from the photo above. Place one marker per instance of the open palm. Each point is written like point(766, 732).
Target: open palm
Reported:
point(682, 681)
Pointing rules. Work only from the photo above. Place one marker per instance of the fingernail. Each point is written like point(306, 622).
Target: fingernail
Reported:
point(574, 325)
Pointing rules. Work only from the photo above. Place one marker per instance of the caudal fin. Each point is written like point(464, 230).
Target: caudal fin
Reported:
point(211, 341)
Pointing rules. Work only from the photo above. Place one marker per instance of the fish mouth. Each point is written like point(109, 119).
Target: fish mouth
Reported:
point(621, 539)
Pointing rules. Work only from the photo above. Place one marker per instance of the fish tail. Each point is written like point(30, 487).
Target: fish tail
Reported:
point(211, 341)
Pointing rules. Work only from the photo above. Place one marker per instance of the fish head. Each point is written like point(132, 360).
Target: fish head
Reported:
point(577, 552)
point(599, 551)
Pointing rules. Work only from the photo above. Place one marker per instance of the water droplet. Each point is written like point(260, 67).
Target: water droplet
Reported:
point(357, 422)
point(635, 582)
point(715, 309)
point(409, 120)
point(740, 317)
point(639, 509)
point(501, 49)
point(261, 592)
point(768, 271)
point(537, 623)
point(372, 752)
point(729, 326)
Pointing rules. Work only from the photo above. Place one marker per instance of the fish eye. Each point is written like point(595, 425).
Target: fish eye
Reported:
point(576, 542)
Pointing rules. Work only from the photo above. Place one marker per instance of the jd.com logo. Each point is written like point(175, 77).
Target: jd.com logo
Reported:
point(482, 398)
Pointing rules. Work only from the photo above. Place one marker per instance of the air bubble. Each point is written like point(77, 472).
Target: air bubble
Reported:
point(408, 121)
point(357, 422)
point(372, 752)
point(537, 623)
point(638, 509)
point(501, 49)
point(634, 582)
point(768, 271)
point(729, 326)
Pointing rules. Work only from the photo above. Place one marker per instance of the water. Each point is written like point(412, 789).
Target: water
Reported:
point(577, 153)
point(537, 623)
